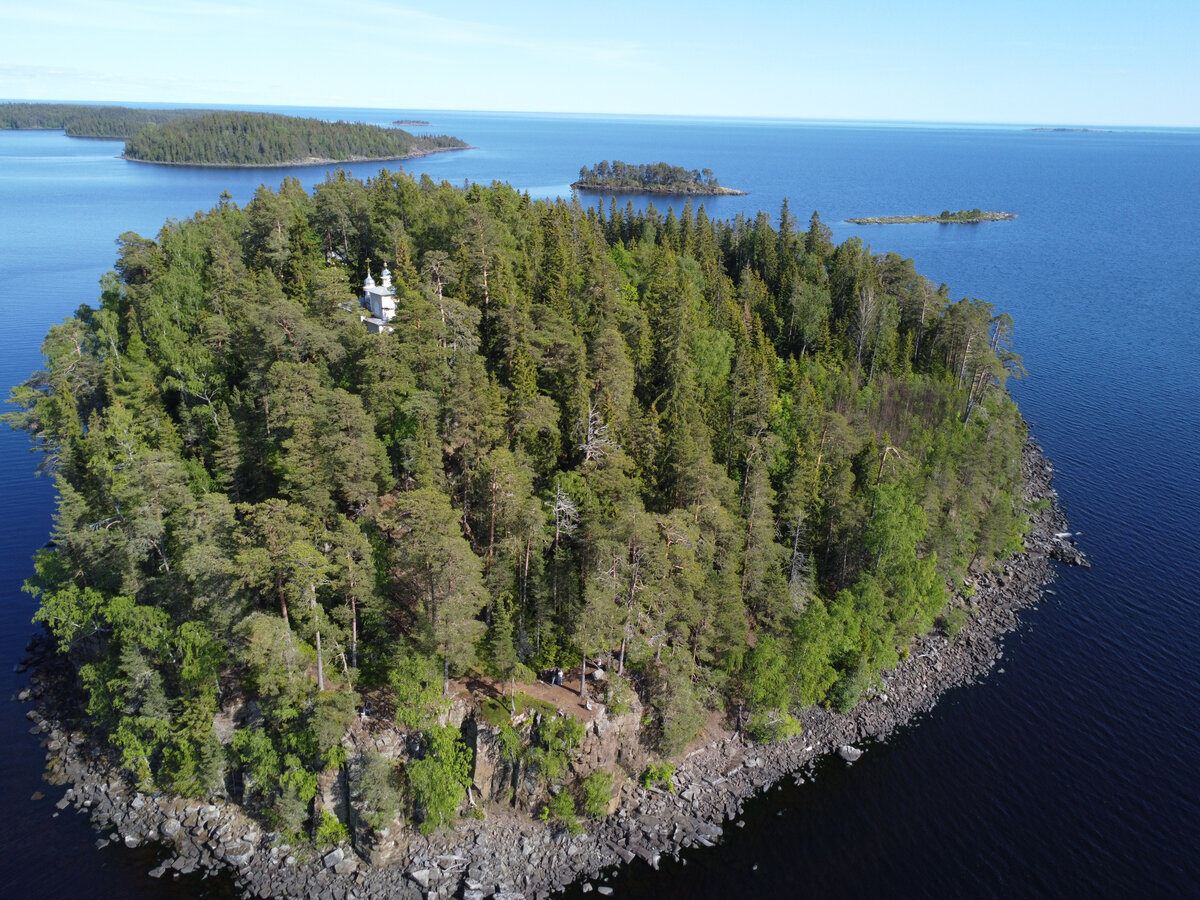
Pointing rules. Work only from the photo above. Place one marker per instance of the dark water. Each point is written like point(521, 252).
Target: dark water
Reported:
point(1073, 771)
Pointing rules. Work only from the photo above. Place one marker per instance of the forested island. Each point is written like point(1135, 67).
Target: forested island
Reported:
point(266, 139)
point(197, 137)
point(314, 571)
point(945, 217)
point(85, 121)
point(653, 178)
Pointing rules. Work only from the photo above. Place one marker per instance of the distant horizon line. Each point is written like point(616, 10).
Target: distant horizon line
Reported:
point(266, 107)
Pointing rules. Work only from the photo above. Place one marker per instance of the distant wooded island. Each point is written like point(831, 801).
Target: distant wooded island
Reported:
point(199, 137)
point(266, 139)
point(410, 122)
point(78, 120)
point(654, 178)
point(962, 217)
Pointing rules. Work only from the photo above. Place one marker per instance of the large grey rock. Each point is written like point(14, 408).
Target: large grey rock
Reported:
point(239, 854)
point(848, 753)
point(421, 877)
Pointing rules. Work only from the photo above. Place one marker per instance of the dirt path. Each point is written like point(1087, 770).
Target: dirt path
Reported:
point(564, 697)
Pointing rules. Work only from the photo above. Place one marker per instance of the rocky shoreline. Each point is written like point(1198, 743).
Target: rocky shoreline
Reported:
point(509, 854)
point(944, 219)
point(685, 190)
point(298, 163)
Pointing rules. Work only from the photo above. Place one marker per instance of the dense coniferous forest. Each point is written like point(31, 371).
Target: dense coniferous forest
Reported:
point(215, 138)
point(652, 178)
point(742, 465)
point(257, 139)
point(87, 121)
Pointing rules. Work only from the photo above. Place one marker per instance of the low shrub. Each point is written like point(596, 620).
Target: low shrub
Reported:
point(560, 810)
point(953, 621)
point(597, 791)
point(659, 773)
point(331, 831)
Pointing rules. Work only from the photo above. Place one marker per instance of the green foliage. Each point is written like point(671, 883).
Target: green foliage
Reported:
point(676, 701)
point(846, 692)
point(770, 688)
point(542, 708)
point(440, 777)
point(660, 441)
point(243, 138)
point(510, 746)
point(331, 831)
point(652, 177)
point(193, 762)
point(276, 662)
point(597, 792)
point(500, 711)
point(275, 777)
point(770, 726)
point(556, 742)
point(297, 788)
point(817, 640)
point(560, 810)
point(439, 573)
point(255, 749)
point(71, 614)
point(380, 790)
point(618, 696)
point(495, 711)
point(501, 651)
point(331, 715)
point(87, 121)
point(954, 620)
point(659, 774)
point(419, 698)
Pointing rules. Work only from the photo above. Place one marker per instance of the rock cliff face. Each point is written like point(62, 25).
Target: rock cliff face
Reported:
point(504, 787)
point(509, 853)
point(609, 742)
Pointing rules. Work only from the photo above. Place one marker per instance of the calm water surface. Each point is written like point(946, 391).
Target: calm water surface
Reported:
point(1070, 772)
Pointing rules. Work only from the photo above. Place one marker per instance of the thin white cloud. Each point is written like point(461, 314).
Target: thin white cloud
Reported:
point(777, 59)
point(543, 41)
point(49, 22)
point(17, 71)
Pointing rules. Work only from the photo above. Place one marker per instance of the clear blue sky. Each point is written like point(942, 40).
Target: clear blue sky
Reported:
point(1126, 62)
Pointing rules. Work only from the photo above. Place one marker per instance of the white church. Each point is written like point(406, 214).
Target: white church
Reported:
point(379, 302)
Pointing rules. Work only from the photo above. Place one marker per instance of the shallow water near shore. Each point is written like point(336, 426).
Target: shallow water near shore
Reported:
point(1071, 768)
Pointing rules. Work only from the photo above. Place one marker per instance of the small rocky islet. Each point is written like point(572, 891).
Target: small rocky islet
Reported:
point(654, 178)
point(945, 217)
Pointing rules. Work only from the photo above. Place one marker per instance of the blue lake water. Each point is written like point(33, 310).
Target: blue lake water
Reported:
point(1071, 772)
